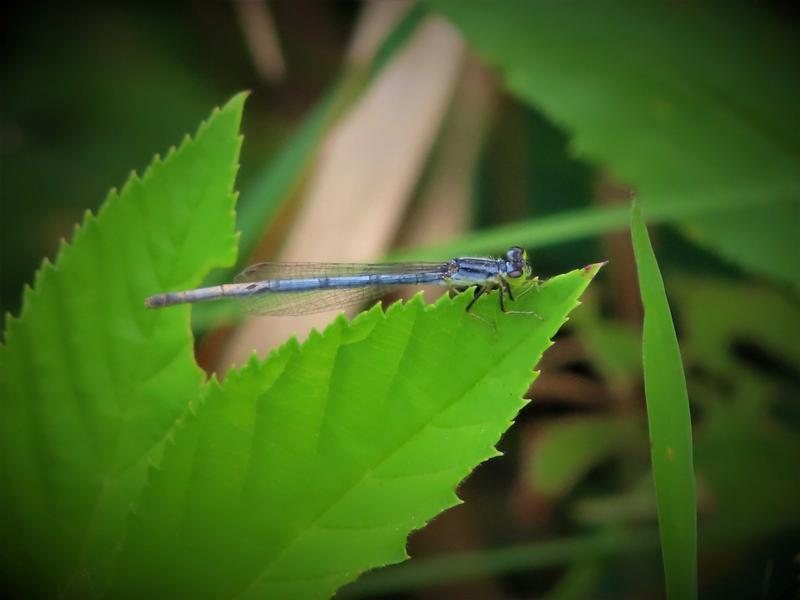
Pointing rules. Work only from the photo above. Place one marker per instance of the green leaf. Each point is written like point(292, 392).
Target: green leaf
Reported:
point(297, 474)
point(669, 422)
point(91, 383)
point(680, 102)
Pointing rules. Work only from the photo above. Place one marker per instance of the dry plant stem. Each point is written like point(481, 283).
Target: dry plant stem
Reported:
point(259, 30)
point(442, 208)
point(375, 21)
point(367, 171)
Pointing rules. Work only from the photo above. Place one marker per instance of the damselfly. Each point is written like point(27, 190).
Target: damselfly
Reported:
point(276, 288)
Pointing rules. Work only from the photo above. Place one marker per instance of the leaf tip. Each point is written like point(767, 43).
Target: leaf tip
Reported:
point(417, 300)
point(238, 99)
point(253, 360)
point(636, 211)
point(591, 270)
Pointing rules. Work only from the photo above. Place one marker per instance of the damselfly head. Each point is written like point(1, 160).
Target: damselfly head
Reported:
point(517, 264)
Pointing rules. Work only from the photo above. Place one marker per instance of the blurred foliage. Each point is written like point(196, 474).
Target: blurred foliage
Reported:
point(74, 121)
point(718, 129)
point(90, 91)
point(566, 451)
point(693, 106)
point(746, 372)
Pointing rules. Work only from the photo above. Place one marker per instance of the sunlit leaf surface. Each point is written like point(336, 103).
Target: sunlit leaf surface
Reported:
point(91, 383)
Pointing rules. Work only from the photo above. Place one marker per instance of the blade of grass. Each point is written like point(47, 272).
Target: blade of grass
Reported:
point(568, 226)
point(669, 422)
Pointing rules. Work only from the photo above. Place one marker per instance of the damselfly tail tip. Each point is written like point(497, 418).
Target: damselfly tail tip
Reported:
point(154, 301)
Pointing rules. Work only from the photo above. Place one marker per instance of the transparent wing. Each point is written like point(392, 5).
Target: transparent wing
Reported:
point(308, 302)
point(299, 270)
point(313, 301)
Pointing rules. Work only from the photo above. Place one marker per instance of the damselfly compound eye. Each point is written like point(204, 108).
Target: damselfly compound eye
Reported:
point(514, 254)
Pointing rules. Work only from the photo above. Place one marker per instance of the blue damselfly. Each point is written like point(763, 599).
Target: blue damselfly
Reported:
point(284, 288)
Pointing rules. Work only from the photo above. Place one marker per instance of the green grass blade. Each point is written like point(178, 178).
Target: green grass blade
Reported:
point(677, 102)
point(573, 225)
point(298, 473)
point(669, 422)
point(91, 383)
